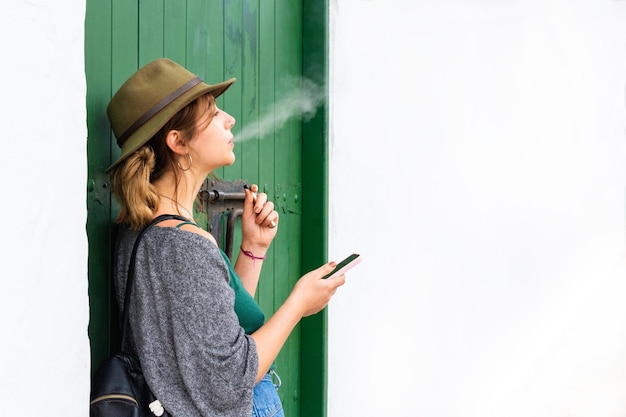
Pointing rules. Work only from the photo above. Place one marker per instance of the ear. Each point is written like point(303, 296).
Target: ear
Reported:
point(174, 141)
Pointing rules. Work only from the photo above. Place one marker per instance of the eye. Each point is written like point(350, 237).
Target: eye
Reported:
point(216, 113)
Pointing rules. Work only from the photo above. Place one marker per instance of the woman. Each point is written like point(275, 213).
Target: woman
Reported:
point(203, 342)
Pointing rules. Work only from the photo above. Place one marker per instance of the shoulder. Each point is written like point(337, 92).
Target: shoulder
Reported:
point(171, 242)
point(180, 262)
point(188, 227)
point(168, 251)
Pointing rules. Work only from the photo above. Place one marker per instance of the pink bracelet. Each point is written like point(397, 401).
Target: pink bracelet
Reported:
point(251, 255)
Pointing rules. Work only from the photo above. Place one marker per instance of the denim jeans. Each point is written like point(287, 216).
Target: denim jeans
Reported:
point(266, 402)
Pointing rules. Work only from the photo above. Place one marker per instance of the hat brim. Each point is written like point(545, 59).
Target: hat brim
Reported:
point(144, 133)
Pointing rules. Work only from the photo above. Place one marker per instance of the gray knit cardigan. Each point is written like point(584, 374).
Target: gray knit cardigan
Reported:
point(196, 358)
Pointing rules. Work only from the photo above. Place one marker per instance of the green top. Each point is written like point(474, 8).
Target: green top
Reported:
point(250, 315)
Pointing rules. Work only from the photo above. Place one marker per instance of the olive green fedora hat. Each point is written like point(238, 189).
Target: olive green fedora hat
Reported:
point(149, 98)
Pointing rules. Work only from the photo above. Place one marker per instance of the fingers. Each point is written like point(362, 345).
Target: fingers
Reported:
point(337, 280)
point(262, 208)
point(265, 213)
point(326, 269)
point(314, 292)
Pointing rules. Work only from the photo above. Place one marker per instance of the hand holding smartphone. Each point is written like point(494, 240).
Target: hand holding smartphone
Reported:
point(344, 266)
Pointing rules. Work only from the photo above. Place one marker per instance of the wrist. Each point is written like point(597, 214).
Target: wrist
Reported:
point(294, 306)
point(255, 256)
point(256, 248)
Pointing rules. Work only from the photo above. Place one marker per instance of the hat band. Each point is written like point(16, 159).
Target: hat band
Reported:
point(157, 108)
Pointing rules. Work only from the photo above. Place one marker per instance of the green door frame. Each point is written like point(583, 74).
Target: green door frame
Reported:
point(103, 316)
point(315, 208)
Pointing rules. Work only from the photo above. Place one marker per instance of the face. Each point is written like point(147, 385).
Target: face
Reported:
point(212, 148)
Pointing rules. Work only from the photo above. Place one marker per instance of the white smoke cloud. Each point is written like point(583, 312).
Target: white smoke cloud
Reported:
point(300, 103)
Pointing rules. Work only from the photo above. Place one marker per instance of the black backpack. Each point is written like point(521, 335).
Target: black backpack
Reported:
point(118, 387)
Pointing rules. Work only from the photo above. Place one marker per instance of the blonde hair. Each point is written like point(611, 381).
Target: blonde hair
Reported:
point(132, 179)
point(133, 190)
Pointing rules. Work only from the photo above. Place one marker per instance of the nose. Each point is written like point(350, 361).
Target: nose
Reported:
point(231, 122)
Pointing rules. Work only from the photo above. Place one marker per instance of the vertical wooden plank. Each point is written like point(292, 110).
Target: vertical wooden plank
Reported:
point(151, 18)
point(124, 46)
point(266, 139)
point(249, 87)
point(124, 62)
point(315, 206)
point(205, 31)
point(282, 149)
point(233, 66)
point(249, 158)
point(205, 44)
point(98, 75)
point(231, 102)
point(175, 30)
point(288, 20)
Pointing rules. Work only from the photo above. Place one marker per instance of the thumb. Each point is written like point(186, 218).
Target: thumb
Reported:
point(250, 192)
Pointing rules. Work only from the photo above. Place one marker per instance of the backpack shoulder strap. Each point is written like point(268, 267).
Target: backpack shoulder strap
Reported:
point(131, 270)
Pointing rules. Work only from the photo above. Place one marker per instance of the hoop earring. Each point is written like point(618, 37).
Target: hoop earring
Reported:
point(190, 162)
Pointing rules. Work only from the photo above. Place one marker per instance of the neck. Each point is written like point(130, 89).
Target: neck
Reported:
point(177, 198)
point(167, 204)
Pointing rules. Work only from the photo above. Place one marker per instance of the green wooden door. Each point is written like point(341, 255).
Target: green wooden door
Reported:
point(270, 47)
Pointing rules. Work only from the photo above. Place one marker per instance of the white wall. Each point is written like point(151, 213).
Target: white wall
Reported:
point(478, 162)
point(44, 347)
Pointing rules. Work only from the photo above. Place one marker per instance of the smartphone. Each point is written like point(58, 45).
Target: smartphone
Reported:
point(344, 266)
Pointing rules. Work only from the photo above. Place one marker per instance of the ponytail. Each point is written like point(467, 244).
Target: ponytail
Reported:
point(130, 182)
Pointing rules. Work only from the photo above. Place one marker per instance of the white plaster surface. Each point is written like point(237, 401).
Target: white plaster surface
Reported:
point(478, 162)
point(44, 347)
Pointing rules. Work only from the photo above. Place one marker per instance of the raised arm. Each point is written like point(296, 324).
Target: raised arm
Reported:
point(259, 224)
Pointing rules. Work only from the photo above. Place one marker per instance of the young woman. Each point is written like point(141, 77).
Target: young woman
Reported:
point(203, 342)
